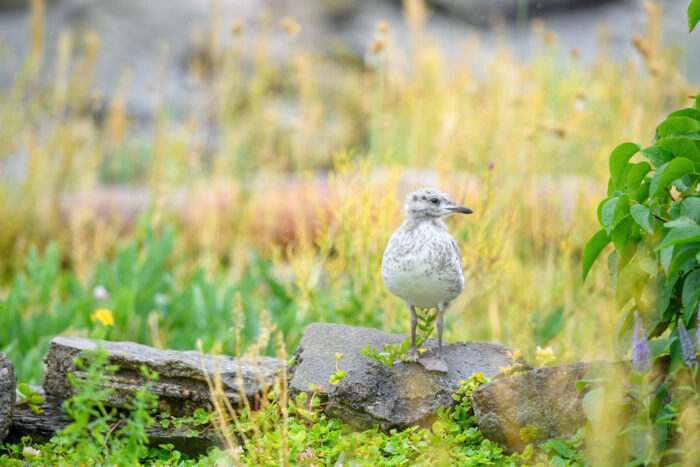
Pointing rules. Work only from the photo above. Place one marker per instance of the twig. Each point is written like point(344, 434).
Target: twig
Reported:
point(111, 430)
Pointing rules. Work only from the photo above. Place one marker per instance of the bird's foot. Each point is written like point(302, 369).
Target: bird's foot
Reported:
point(412, 356)
point(434, 364)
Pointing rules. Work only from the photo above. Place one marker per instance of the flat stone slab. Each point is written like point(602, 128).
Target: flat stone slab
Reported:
point(41, 427)
point(545, 398)
point(8, 386)
point(181, 387)
point(391, 397)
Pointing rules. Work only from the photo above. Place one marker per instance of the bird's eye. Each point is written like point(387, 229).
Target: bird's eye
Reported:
point(435, 201)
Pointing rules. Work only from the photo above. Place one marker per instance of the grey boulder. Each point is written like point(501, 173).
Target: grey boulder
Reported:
point(373, 394)
point(8, 386)
point(546, 399)
point(181, 387)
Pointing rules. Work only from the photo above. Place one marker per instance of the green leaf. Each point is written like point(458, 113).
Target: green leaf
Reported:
point(683, 259)
point(690, 208)
point(678, 126)
point(607, 214)
point(636, 175)
point(680, 234)
point(669, 172)
point(592, 250)
point(657, 155)
point(630, 283)
point(693, 14)
point(681, 146)
point(691, 283)
point(618, 162)
point(659, 346)
point(642, 216)
point(622, 209)
point(620, 234)
point(561, 448)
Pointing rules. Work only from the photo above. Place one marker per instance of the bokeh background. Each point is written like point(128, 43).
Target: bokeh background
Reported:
point(219, 170)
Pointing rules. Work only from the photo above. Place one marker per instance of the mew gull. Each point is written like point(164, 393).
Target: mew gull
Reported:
point(422, 263)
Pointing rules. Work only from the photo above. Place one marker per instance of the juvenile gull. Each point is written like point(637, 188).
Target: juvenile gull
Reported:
point(422, 263)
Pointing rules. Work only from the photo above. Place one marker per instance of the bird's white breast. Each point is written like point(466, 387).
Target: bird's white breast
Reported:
point(422, 266)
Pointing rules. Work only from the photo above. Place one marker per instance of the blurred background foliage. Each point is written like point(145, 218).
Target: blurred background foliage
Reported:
point(271, 200)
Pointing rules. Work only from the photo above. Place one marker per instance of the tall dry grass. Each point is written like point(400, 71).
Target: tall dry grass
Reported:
point(313, 156)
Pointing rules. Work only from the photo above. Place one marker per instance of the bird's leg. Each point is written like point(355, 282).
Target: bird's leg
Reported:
point(413, 353)
point(437, 363)
point(441, 311)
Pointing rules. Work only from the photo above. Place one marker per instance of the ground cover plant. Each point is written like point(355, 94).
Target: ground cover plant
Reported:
point(526, 145)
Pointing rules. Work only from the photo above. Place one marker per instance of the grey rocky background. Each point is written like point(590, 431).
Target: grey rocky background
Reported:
point(135, 34)
point(8, 386)
point(181, 387)
point(374, 394)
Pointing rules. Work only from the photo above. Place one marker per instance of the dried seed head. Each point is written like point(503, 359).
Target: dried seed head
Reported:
point(236, 27)
point(290, 26)
point(377, 46)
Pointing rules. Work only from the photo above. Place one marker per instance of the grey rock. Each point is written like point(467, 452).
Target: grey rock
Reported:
point(545, 398)
point(479, 12)
point(181, 387)
point(374, 394)
point(41, 427)
point(8, 386)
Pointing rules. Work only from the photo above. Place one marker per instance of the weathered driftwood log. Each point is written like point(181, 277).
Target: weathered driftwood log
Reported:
point(181, 387)
point(8, 384)
point(41, 427)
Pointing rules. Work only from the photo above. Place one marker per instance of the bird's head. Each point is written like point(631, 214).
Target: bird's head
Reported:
point(431, 203)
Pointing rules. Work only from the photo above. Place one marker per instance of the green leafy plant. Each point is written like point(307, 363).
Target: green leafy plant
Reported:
point(651, 216)
point(28, 399)
point(392, 353)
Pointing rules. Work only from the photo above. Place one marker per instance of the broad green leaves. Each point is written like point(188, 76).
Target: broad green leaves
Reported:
point(669, 172)
point(693, 14)
point(652, 218)
point(673, 126)
point(592, 250)
point(642, 216)
point(618, 161)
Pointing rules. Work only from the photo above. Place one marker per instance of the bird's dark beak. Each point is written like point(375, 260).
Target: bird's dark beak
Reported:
point(461, 209)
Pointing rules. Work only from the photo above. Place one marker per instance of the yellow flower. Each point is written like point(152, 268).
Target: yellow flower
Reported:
point(506, 370)
point(422, 350)
point(104, 316)
point(514, 355)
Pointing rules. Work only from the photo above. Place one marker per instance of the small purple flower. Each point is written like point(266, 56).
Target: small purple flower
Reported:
point(687, 347)
point(490, 165)
point(307, 454)
point(640, 351)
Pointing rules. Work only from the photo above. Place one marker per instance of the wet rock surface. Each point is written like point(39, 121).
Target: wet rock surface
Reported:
point(374, 394)
point(8, 386)
point(41, 427)
point(545, 398)
point(181, 388)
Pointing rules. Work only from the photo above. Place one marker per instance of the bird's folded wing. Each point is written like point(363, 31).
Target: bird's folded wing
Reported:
point(458, 253)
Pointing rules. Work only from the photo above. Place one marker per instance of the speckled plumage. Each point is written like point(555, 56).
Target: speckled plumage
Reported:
point(422, 263)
